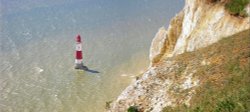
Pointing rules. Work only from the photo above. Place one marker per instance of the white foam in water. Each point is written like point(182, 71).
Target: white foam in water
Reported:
point(124, 75)
point(38, 70)
point(132, 76)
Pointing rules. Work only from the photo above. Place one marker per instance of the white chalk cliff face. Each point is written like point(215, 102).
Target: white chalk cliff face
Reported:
point(206, 24)
point(202, 24)
point(198, 25)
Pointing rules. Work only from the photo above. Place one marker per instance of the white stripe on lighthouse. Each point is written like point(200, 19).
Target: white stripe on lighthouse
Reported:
point(78, 47)
point(78, 61)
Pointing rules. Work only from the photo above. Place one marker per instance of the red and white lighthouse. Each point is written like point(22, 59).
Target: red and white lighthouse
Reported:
point(78, 54)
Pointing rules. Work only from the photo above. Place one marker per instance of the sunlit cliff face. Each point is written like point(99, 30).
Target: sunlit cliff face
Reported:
point(198, 25)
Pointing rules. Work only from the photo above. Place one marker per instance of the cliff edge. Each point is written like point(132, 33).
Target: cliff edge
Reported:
point(188, 55)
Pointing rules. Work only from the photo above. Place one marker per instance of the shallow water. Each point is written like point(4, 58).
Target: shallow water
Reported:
point(37, 51)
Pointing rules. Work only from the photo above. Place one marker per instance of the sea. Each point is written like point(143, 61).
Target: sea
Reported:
point(37, 46)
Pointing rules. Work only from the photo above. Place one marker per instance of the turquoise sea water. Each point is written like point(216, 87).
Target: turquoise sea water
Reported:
point(37, 50)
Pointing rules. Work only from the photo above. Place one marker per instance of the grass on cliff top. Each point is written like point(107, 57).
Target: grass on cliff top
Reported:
point(225, 82)
point(236, 7)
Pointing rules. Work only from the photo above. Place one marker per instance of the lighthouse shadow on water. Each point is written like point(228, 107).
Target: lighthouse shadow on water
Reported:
point(92, 71)
point(85, 68)
point(78, 57)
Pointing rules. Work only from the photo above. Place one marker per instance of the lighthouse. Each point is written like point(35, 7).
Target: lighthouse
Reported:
point(78, 54)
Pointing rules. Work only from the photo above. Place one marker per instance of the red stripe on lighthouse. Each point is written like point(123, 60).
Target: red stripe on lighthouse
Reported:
point(78, 54)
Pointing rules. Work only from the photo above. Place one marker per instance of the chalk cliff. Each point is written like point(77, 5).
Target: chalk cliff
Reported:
point(171, 78)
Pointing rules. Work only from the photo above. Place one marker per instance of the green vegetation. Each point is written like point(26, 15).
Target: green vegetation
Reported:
point(236, 7)
point(181, 69)
point(107, 106)
point(133, 109)
point(225, 83)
